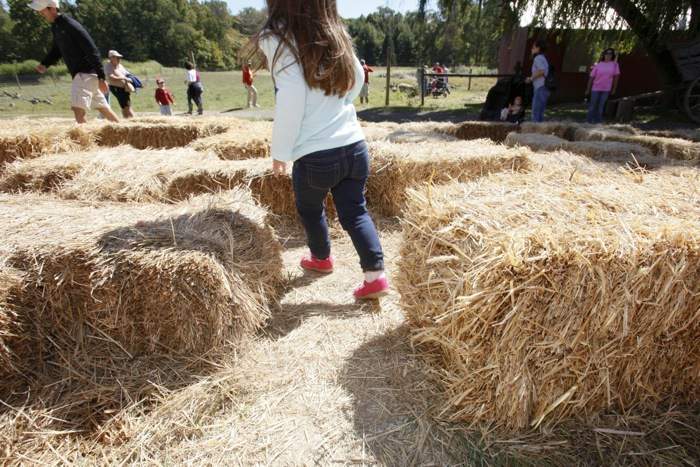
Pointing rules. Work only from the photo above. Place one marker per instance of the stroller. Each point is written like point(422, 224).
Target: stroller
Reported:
point(439, 88)
point(502, 94)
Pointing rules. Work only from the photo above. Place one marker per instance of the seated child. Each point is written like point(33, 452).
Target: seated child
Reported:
point(513, 113)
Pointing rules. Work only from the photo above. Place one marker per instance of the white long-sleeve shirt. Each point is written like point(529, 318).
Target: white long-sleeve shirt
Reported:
point(306, 120)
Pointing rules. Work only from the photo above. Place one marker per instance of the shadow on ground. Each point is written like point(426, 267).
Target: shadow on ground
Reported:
point(416, 114)
point(395, 403)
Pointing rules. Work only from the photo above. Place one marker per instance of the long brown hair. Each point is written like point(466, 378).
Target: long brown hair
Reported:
point(315, 34)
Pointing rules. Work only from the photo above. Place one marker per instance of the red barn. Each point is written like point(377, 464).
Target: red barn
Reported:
point(572, 60)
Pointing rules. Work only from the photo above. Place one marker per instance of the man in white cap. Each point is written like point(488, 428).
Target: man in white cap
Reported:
point(73, 43)
point(119, 83)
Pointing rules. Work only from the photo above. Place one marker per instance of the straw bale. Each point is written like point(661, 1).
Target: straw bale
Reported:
point(564, 130)
point(668, 148)
point(378, 131)
point(396, 167)
point(10, 328)
point(495, 131)
point(43, 174)
point(158, 134)
point(536, 141)
point(680, 133)
point(24, 139)
point(539, 299)
point(416, 132)
point(126, 175)
point(246, 140)
point(604, 151)
point(173, 278)
point(567, 130)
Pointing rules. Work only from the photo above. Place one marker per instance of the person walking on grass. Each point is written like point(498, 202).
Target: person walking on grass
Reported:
point(601, 85)
point(364, 93)
point(73, 43)
point(248, 78)
point(120, 84)
point(164, 98)
point(194, 89)
point(540, 70)
point(317, 77)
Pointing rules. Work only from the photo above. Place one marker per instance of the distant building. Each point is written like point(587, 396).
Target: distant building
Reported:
point(572, 60)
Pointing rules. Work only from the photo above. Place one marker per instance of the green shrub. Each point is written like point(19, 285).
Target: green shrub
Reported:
point(28, 67)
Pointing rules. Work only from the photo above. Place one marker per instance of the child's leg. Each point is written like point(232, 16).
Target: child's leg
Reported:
point(200, 103)
point(255, 95)
point(312, 212)
point(349, 199)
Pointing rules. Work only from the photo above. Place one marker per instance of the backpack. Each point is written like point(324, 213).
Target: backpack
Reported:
point(550, 81)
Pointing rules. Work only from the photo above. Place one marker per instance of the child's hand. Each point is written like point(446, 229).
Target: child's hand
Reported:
point(279, 167)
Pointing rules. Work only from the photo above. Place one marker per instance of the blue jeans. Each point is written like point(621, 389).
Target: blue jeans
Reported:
point(342, 171)
point(539, 103)
point(596, 107)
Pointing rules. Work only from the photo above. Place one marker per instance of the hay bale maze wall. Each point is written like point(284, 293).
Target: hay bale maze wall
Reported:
point(29, 139)
point(398, 167)
point(667, 148)
point(183, 278)
point(10, 328)
point(540, 299)
point(127, 175)
point(159, 133)
point(495, 131)
point(603, 151)
point(243, 140)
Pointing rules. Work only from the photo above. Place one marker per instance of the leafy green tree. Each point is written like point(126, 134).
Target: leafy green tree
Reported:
point(655, 23)
point(368, 40)
point(31, 33)
point(8, 45)
point(250, 20)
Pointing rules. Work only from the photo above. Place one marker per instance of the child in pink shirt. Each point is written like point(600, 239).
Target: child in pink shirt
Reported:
point(601, 84)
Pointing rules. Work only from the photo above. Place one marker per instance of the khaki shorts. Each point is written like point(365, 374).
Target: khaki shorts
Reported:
point(365, 91)
point(86, 94)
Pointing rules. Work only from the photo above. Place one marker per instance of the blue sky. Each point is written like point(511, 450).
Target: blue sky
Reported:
point(348, 8)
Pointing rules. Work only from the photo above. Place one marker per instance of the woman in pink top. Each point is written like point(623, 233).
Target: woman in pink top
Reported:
point(602, 84)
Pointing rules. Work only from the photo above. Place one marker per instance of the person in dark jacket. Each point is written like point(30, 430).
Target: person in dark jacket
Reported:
point(73, 43)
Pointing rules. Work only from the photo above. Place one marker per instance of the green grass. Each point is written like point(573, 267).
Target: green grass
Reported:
point(223, 91)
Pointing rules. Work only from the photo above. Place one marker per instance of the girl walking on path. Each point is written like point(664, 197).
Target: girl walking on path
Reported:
point(317, 76)
point(601, 85)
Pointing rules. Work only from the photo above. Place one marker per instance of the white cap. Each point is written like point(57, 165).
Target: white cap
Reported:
point(114, 53)
point(39, 5)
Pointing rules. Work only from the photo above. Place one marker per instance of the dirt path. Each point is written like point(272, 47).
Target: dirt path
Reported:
point(333, 381)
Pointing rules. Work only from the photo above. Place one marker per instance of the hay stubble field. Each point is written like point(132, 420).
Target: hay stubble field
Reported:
point(152, 310)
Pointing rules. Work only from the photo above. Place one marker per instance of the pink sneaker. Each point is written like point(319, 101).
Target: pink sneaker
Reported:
point(372, 290)
point(311, 263)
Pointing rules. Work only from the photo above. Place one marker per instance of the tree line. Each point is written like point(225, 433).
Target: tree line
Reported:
point(172, 31)
point(468, 35)
point(454, 32)
point(168, 31)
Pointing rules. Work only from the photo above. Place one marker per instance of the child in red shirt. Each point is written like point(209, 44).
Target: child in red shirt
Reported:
point(164, 98)
point(248, 82)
